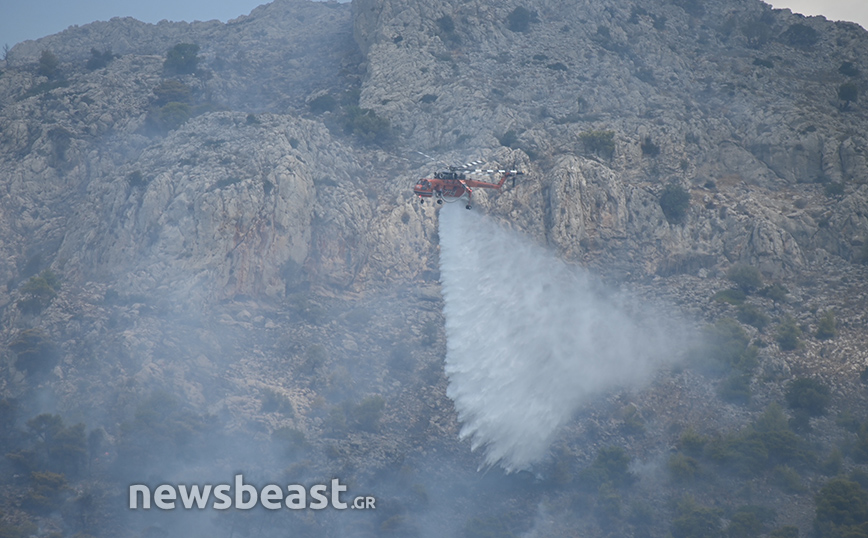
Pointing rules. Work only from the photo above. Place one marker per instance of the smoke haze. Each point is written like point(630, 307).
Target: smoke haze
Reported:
point(530, 338)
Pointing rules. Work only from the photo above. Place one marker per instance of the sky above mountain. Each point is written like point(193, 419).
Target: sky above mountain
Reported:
point(37, 18)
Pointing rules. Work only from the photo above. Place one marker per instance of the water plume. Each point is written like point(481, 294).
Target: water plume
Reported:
point(530, 338)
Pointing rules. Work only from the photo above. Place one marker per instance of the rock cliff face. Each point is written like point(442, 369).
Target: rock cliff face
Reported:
point(243, 234)
point(610, 103)
point(735, 101)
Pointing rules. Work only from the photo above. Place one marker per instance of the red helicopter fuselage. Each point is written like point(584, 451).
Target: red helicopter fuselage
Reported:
point(454, 185)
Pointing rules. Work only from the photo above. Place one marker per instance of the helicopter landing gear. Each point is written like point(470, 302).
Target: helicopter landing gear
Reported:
point(468, 206)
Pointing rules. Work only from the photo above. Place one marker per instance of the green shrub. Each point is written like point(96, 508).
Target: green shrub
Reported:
point(562, 469)
point(608, 505)
point(307, 309)
point(682, 469)
point(68, 452)
point(752, 315)
point(731, 296)
point(695, 521)
point(98, 59)
point(745, 453)
point(849, 69)
point(612, 465)
point(520, 18)
point(788, 479)
point(508, 138)
point(800, 36)
point(162, 425)
point(46, 492)
point(808, 395)
point(172, 115)
point(692, 443)
point(775, 292)
point(53, 446)
point(38, 292)
point(446, 24)
point(8, 414)
point(842, 506)
point(773, 419)
point(727, 344)
point(61, 140)
point(833, 464)
point(275, 401)
point(601, 143)
point(323, 103)
point(860, 476)
point(674, 201)
point(48, 64)
point(833, 189)
point(44, 87)
point(746, 277)
point(446, 29)
point(649, 148)
point(135, 179)
point(366, 415)
point(757, 33)
point(182, 59)
point(170, 91)
point(367, 126)
point(748, 522)
point(848, 93)
point(768, 441)
point(846, 420)
point(862, 255)
point(787, 531)
point(826, 326)
point(789, 334)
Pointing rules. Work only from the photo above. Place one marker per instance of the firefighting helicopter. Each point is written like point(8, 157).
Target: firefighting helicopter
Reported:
point(453, 184)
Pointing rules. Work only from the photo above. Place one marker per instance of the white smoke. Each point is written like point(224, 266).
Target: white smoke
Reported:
point(530, 338)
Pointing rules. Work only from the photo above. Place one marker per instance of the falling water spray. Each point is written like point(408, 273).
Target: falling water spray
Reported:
point(530, 339)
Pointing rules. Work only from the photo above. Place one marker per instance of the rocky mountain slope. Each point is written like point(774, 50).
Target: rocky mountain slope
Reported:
point(232, 229)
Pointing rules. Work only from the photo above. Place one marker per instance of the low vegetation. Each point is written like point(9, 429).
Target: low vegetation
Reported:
point(367, 126)
point(600, 143)
point(182, 59)
point(520, 19)
point(674, 201)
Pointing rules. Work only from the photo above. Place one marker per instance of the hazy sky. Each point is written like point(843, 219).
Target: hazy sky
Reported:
point(32, 19)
